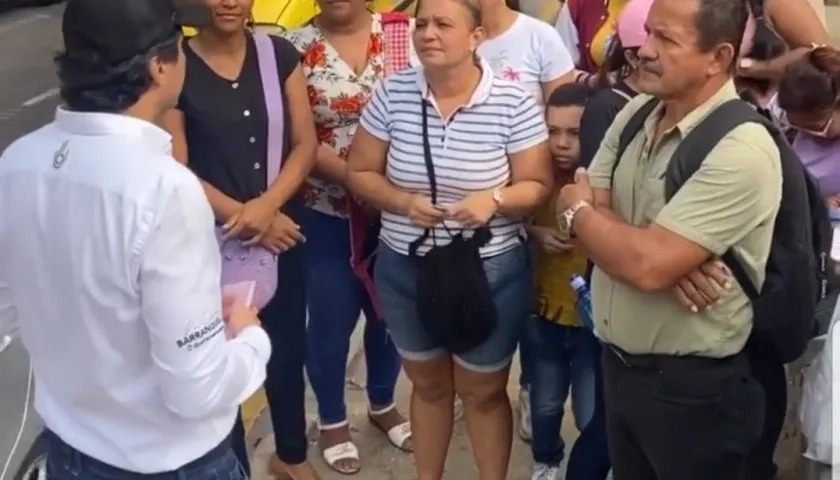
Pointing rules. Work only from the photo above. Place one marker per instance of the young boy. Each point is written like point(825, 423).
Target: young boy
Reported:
point(561, 352)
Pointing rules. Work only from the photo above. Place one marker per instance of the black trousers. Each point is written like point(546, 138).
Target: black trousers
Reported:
point(284, 320)
point(680, 418)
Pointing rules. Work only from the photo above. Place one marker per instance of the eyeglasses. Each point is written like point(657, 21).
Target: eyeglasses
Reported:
point(820, 132)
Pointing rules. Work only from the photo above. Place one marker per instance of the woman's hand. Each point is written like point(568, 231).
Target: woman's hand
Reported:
point(475, 210)
point(253, 219)
point(421, 212)
point(833, 202)
point(282, 235)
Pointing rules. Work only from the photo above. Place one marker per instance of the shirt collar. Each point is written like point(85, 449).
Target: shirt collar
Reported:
point(481, 93)
point(96, 123)
point(695, 117)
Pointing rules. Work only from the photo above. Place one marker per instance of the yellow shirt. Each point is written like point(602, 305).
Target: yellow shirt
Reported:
point(555, 298)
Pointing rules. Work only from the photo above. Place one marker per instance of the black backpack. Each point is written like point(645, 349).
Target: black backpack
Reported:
point(797, 267)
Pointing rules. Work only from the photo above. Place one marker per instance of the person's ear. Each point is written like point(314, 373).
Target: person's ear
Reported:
point(476, 38)
point(723, 59)
point(157, 70)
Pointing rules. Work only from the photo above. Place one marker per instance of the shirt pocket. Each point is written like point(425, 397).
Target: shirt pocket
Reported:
point(651, 199)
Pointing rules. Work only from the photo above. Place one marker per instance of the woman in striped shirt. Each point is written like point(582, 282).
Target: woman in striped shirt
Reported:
point(487, 140)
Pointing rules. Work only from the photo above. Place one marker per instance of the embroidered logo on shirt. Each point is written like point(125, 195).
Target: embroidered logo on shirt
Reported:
point(61, 154)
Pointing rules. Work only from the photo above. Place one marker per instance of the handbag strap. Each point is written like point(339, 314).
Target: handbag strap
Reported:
point(273, 95)
point(430, 172)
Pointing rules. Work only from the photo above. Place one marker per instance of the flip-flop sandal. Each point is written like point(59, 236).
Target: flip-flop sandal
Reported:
point(342, 451)
point(397, 435)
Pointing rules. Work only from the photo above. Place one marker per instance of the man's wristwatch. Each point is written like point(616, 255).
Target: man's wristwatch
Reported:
point(567, 218)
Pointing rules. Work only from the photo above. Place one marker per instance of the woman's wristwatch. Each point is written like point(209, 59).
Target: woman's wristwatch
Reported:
point(566, 220)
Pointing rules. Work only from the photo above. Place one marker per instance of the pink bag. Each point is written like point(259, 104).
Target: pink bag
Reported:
point(256, 264)
point(364, 229)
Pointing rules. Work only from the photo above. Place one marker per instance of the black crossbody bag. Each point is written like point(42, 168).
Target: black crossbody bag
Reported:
point(454, 298)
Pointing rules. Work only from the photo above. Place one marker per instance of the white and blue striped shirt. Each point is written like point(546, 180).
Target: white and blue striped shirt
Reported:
point(470, 151)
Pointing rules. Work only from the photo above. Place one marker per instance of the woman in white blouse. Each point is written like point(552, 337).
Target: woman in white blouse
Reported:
point(487, 141)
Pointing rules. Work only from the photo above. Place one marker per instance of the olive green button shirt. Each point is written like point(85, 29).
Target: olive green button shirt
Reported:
point(730, 202)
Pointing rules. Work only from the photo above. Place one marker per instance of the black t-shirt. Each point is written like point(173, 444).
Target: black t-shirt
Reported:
point(226, 122)
point(598, 115)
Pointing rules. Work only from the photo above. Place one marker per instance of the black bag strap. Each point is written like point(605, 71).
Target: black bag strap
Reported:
point(430, 172)
point(481, 236)
point(632, 128)
point(694, 149)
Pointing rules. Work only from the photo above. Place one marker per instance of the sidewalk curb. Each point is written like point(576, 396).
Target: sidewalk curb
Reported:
point(261, 426)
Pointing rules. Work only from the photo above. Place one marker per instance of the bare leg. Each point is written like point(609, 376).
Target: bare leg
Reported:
point(432, 395)
point(489, 419)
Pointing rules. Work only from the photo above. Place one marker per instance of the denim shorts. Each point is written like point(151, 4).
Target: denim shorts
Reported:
point(510, 279)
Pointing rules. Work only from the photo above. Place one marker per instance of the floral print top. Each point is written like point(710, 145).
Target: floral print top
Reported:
point(337, 96)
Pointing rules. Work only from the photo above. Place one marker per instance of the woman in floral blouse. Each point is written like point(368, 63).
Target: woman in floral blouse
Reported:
point(345, 55)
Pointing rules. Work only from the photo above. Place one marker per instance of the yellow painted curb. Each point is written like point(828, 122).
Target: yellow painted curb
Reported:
point(252, 408)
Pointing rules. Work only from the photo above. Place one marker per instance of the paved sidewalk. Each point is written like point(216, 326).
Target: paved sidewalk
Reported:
point(380, 461)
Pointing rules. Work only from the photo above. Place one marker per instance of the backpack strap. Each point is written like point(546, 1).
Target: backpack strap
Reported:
point(622, 93)
point(632, 128)
point(396, 32)
point(273, 95)
point(697, 145)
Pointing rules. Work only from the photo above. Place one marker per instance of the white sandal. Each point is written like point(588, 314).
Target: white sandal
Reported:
point(343, 451)
point(397, 435)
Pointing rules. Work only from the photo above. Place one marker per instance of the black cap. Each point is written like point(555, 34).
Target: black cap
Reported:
point(117, 30)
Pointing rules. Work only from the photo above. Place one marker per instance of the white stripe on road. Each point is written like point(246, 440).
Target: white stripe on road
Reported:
point(40, 98)
point(5, 28)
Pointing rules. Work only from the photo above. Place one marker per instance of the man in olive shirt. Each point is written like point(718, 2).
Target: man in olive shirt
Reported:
point(681, 403)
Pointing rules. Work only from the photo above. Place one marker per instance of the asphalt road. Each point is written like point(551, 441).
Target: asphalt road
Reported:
point(29, 39)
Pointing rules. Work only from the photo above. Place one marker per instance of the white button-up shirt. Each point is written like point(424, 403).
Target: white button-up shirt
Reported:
point(109, 271)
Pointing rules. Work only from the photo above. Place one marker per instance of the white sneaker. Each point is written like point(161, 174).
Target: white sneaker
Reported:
point(524, 415)
point(545, 472)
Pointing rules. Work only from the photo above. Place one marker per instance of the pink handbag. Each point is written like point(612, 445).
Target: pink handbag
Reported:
point(256, 264)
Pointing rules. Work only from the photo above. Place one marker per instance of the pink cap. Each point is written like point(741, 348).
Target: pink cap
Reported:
point(630, 26)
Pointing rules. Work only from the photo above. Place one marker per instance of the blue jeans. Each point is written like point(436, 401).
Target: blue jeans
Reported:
point(66, 463)
point(590, 455)
point(509, 275)
point(337, 298)
point(561, 359)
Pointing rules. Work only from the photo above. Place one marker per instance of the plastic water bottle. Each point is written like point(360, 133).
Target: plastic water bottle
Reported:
point(583, 305)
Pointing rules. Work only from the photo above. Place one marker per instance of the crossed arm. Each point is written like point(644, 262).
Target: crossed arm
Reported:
point(737, 188)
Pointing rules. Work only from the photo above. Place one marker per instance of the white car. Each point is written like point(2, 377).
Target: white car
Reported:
point(22, 455)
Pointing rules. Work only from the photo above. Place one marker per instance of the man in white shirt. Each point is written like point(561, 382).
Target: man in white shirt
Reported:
point(111, 269)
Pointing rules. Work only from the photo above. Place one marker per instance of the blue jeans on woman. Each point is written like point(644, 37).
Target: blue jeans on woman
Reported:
point(590, 455)
point(561, 358)
point(337, 298)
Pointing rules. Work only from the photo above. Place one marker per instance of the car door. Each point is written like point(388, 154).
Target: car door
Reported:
point(19, 424)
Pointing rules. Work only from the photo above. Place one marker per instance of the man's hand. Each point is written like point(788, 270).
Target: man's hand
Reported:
point(833, 202)
point(575, 192)
point(252, 220)
point(237, 316)
point(282, 235)
point(550, 240)
point(705, 287)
